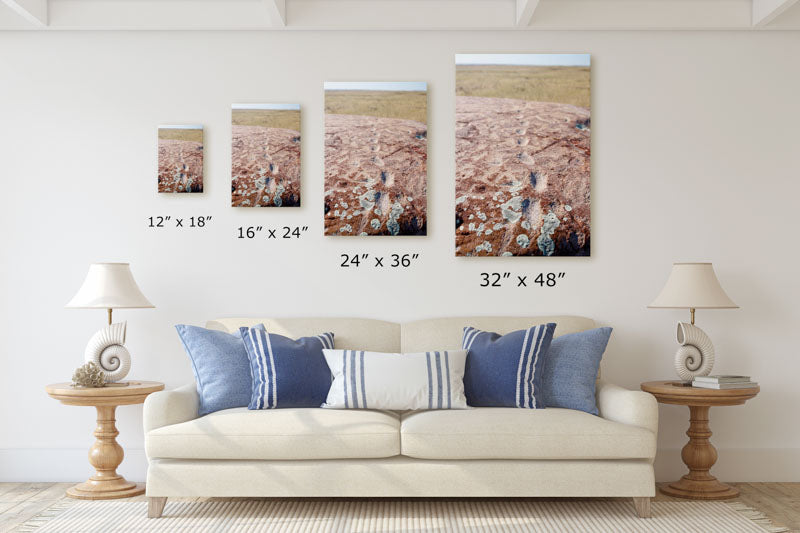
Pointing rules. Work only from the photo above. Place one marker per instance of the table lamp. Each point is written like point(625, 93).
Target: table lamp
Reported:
point(693, 286)
point(109, 286)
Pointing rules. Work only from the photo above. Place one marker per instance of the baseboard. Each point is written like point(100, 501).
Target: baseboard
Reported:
point(52, 464)
point(738, 464)
point(69, 464)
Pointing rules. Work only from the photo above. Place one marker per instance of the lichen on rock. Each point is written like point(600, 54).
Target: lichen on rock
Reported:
point(545, 240)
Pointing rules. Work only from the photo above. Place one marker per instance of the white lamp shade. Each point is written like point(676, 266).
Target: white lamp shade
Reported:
point(109, 286)
point(693, 285)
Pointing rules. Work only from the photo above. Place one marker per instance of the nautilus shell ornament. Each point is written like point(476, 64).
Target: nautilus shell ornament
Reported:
point(106, 349)
point(695, 357)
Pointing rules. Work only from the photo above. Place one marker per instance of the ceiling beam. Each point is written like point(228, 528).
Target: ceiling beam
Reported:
point(525, 9)
point(277, 11)
point(766, 11)
point(34, 11)
point(533, 15)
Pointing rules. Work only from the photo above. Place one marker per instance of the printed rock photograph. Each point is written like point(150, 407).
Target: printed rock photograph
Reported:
point(180, 158)
point(523, 154)
point(265, 155)
point(376, 155)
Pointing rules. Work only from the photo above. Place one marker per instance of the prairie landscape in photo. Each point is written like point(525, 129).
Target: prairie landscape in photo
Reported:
point(180, 158)
point(376, 152)
point(265, 155)
point(523, 153)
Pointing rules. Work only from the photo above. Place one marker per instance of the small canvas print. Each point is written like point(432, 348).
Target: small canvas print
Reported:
point(180, 158)
point(265, 155)
point(376, 153)
point(523, 153)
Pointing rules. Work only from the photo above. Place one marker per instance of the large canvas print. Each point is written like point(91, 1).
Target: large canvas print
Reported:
point(180, 158)
point(265, 155)
point(376, 156)
point(523, 153)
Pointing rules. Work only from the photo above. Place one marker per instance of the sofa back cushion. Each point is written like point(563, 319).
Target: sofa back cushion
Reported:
point(351, 333)
point(416, 336)
point(447, 333)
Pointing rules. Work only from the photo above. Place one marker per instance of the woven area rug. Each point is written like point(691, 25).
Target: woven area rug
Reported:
point(565, 516)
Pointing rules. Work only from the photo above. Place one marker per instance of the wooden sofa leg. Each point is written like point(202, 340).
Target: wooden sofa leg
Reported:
point(155, 506)
point(642, 506)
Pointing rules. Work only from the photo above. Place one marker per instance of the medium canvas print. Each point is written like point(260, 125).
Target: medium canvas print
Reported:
point(376, 153)
point(180, 158)
point(265, 155)
point(523, 154)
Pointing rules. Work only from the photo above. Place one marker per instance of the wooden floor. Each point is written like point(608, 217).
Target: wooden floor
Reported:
point(21, 501)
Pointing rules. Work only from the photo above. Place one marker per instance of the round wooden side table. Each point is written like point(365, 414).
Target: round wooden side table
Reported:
point(106, 454)
point(698, 454)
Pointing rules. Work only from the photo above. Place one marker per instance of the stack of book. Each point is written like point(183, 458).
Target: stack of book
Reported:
point(723, 382)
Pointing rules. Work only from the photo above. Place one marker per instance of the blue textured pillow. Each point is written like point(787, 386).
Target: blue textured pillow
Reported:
point(286, 372)
point(506, 371)
point(570, 369)
point(220, 365)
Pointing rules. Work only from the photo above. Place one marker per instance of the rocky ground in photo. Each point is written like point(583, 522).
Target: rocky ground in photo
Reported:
point(180, 166)
point(375, 176)
point(265, 167)
point(522, 177)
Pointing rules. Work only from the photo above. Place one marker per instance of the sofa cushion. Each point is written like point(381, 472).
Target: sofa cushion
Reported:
point(506, 370)
point(286, 372)
point(220, 365)
point(279, 434)
point(571, 367)
point(510, 433)
point(397, 381)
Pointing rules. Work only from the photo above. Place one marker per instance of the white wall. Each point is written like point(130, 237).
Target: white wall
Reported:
point(695, 147)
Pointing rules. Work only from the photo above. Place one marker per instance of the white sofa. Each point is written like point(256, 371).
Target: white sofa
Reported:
point(480, 452)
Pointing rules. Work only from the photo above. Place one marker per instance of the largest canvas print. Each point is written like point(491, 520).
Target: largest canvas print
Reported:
point(523, 154)
point(376, 153)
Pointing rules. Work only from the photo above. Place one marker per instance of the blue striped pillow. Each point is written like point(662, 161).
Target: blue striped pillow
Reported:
point(506, 371)
point(396, 381)
point(286, 372)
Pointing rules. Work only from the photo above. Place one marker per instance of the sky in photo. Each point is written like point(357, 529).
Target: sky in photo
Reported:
point(181, 127)
point(376, 86)
point(538, 60)
point(266, 106)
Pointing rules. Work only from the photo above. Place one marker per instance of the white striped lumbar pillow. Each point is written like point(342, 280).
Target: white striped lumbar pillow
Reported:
point(396, 381)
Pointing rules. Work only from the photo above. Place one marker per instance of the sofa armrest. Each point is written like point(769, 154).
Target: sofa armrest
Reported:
point(169, 407)
point(635, 408)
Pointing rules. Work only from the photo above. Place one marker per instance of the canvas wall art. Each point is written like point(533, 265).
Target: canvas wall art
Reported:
point(523, 152)
point(265, 155)
point(180, 158)
point(376, 158)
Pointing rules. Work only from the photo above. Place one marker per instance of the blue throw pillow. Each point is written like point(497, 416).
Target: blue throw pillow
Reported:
point(220, 365)
point(286, 372)
point(571, 367)
point(506, 371)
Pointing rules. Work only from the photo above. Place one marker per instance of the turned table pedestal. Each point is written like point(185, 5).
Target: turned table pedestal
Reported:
point(106, 454)
point(698, 454)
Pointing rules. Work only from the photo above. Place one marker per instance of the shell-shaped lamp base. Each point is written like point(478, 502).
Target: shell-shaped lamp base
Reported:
point(106, 349)
point(695, 357)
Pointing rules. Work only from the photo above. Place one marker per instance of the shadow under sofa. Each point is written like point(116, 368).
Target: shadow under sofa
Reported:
point(477, 452)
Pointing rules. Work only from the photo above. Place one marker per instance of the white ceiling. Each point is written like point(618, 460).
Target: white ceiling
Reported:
point(399, 14)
